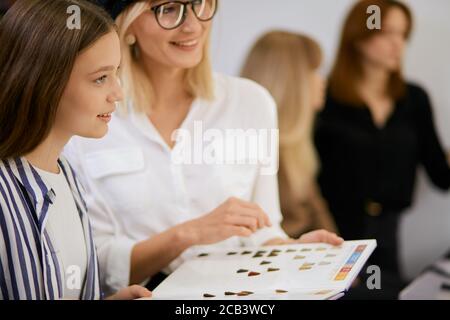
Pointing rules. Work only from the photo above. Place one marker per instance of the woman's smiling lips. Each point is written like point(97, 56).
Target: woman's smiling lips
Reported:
point(187, 45)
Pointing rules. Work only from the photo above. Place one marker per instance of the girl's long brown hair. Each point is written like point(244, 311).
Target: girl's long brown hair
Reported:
point(37, 54)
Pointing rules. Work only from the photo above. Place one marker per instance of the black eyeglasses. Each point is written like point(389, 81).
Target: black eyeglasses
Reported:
point(172, 14)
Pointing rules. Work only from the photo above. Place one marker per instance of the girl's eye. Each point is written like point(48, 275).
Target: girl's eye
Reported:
point(101, 80)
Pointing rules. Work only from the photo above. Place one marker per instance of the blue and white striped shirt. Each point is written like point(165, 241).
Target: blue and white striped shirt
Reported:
point(30, 269)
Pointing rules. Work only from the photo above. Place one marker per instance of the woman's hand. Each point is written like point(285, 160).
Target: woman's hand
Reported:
point(234, 217)
point(321, 236)
point(279, 242)
point(131, 293)
point(318, 236)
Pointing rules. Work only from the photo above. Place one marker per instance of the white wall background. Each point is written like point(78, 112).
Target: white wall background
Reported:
point(425, 232)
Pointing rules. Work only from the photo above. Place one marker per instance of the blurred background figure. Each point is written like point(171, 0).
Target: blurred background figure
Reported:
point(287, 65)
point(424, 227)
point(375, 131)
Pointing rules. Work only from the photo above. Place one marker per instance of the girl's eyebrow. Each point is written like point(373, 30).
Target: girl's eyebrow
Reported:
point(103, 69)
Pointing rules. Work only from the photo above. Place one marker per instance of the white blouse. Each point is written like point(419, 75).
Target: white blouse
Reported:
point(138, 187)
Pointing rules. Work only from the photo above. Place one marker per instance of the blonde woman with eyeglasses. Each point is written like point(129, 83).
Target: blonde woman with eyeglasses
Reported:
point(156, 199)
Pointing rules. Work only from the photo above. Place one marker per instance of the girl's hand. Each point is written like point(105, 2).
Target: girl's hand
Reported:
point(131, 293)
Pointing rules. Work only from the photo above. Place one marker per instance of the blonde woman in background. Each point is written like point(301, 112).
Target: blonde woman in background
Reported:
point(149, 212)
point(287, 65)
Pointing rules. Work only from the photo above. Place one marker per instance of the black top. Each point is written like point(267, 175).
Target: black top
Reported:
point(362, 164)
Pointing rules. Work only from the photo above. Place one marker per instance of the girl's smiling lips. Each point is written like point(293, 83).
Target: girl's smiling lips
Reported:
point(105, 116)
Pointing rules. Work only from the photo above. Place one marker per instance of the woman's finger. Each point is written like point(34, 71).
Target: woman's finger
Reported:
point(235, 231)
point(248, 221)
point(258, 214)
point(263, 218)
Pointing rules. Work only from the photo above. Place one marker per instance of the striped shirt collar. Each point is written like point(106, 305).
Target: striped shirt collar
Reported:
point(41, 195)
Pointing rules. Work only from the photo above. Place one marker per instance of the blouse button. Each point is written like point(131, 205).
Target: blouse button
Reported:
point(374, 209)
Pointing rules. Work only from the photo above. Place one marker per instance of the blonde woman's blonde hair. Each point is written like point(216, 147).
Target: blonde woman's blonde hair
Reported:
point(283, 62)
point(137, 85)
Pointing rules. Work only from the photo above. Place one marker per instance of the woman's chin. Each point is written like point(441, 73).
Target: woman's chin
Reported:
point(187, 62)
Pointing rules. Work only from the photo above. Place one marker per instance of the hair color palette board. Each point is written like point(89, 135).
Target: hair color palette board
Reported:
point(298, 271)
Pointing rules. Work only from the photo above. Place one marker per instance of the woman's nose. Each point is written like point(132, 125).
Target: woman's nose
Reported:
point(191, 24)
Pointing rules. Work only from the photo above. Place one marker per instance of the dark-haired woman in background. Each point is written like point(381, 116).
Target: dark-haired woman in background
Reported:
point(374, 132)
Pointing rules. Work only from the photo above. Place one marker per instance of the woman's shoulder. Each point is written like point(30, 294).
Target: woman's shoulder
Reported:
point(238, 82)
point(417, 97)
point(241, 87)
point(244, 96)
point(415, 89)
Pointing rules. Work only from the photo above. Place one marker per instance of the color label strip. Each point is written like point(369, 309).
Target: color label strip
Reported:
point(345, 270)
